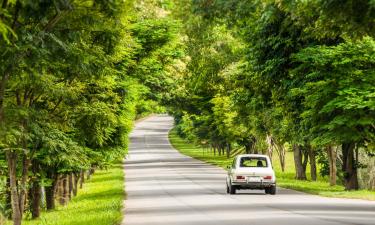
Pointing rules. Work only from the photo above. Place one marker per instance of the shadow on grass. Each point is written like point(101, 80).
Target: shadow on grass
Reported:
point(105, 179)
point(101, 195)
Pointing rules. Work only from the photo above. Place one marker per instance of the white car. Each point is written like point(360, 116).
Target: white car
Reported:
point(251, 171)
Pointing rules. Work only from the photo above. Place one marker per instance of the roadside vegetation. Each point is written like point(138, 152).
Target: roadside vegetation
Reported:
point(73, 77)
point(272, 77)
point(99, 202)
point(285, 179)
point(291, 79)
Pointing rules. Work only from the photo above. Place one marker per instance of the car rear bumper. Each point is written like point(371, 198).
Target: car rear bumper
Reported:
point(256, 185)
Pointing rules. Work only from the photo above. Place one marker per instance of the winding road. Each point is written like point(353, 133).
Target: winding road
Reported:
point(165, 187)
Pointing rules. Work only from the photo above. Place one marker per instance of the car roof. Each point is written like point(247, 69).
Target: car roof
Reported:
point(252, 155)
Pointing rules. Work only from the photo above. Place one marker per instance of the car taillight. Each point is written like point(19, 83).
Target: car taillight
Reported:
point(267, 177)
point(240, 177)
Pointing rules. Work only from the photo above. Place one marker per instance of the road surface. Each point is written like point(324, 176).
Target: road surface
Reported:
point(165, 187)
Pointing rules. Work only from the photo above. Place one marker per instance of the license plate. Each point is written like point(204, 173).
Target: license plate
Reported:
point(253, 179)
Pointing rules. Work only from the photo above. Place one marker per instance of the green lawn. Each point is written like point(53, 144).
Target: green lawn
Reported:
point(98, 203)
point(284, 179)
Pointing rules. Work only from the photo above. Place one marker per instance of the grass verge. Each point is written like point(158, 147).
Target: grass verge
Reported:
point(98, 203)
point(284, 179)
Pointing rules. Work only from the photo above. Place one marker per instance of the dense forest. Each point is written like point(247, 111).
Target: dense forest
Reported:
point(267, 76)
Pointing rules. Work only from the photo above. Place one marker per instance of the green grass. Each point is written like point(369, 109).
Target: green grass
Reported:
point(98, 203)
point(284, 179)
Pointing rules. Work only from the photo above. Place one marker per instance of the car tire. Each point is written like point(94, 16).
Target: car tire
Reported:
point(232, 190)
point(272, 190)
point(267, 190)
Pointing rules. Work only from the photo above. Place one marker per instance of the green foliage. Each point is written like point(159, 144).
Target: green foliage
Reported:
point(99, 202)
point(336, 86)
point(158, 50)
point(300, 72)
point(202, 109)
point(5, 32)
point(74, 76)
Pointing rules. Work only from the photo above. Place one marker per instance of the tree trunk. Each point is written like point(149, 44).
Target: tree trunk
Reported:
point(35, 192)
point(312, 157)
point(75, 186)
point(50, 198)
point(273, 144)
point(35, 199)
point(65, 193)
point(93, 170)
point(247, 148)
point(349, 167)
point(63, 190)
point(89, 174)
point(299, 165)
point(51, 190)
point(332, 156)
point(254, 149)
point(82, 179)
point(59, 190)
point(8, 200)
point(281, 152)
point(249, 145)
point(25, 174)
point(270, 145)
point(305, 154)
point(228, 150)
point(12, 169)
point(70, 191)
point(43, 197)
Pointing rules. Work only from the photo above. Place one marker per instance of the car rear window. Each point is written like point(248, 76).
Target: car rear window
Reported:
point(253, 162)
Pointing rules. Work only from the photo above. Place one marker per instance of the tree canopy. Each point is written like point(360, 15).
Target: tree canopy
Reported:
point(74, 76)
point(253, 75)
point(264, 75)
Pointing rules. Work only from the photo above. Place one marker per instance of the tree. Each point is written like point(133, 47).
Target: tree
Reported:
point(267, 94)
point(338, 98)
point(74, 76)
point(54, 50)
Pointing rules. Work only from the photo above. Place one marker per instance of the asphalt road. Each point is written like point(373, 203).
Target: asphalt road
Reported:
point(165, 187)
